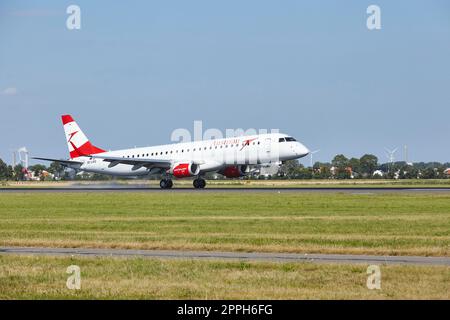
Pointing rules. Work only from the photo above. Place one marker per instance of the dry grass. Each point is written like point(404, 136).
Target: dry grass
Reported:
point(23, 277)
point(406, 224)
point(394, 224)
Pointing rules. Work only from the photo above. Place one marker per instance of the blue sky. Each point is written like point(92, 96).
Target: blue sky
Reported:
point(138, 70)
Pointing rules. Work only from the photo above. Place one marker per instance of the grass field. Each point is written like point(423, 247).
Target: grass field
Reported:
point(400, 223)
point(23, 277)
point(187, 183)
point(394, 224)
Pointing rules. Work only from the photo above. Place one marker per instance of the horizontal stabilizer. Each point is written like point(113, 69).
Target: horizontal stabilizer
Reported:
point(63, 162)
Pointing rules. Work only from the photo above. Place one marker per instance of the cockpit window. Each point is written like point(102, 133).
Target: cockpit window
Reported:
point(281, 140)
point(290, 139)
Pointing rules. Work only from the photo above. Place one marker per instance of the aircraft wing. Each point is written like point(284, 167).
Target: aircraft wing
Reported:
point(138, 162)
point(62, 162)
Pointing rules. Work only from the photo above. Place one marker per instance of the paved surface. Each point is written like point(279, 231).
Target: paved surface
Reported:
point(360, 190)
point(272, 257)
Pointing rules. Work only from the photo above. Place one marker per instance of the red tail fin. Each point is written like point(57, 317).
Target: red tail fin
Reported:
point(77, 142)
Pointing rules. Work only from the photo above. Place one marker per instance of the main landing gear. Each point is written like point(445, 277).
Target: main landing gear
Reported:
point(166, 183)
point(199, 183)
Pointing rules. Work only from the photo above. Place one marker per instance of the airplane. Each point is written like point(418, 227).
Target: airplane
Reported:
point(231, 157)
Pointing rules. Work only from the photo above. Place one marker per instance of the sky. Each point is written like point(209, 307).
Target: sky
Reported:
point(138, 70)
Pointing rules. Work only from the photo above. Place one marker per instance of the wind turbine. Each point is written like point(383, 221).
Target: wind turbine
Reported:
point(14, 157)
point(311, 157)
point(23, 157)
point(390, 154)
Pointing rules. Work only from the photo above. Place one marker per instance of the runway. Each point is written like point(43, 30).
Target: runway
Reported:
point(356, 190)
point(232, 256)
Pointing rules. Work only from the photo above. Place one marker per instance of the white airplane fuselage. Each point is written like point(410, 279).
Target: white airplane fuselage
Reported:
point(211, 155)
point(231, 157)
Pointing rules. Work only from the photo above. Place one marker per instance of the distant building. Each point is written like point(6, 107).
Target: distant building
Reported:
point(378, 173)
point(30, 175)
point(334, 170)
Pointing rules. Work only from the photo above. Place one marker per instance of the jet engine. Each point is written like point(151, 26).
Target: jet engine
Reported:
point(235, 171)
point(183, 170)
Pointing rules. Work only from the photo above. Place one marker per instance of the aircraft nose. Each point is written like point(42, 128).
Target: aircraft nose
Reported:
point(306, 150)
point(301, 150)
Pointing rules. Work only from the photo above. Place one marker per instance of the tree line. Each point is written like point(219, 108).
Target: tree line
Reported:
point(341, 167)
point(366, 167)
point(18, 172)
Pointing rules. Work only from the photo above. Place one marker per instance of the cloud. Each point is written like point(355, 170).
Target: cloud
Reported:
point(11, 91)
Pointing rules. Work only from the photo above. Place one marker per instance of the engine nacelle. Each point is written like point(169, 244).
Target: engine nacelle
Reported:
point(235, 171)
point(184, 170)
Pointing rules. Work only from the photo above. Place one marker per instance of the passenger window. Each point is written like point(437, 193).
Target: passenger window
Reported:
point(281, 140)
